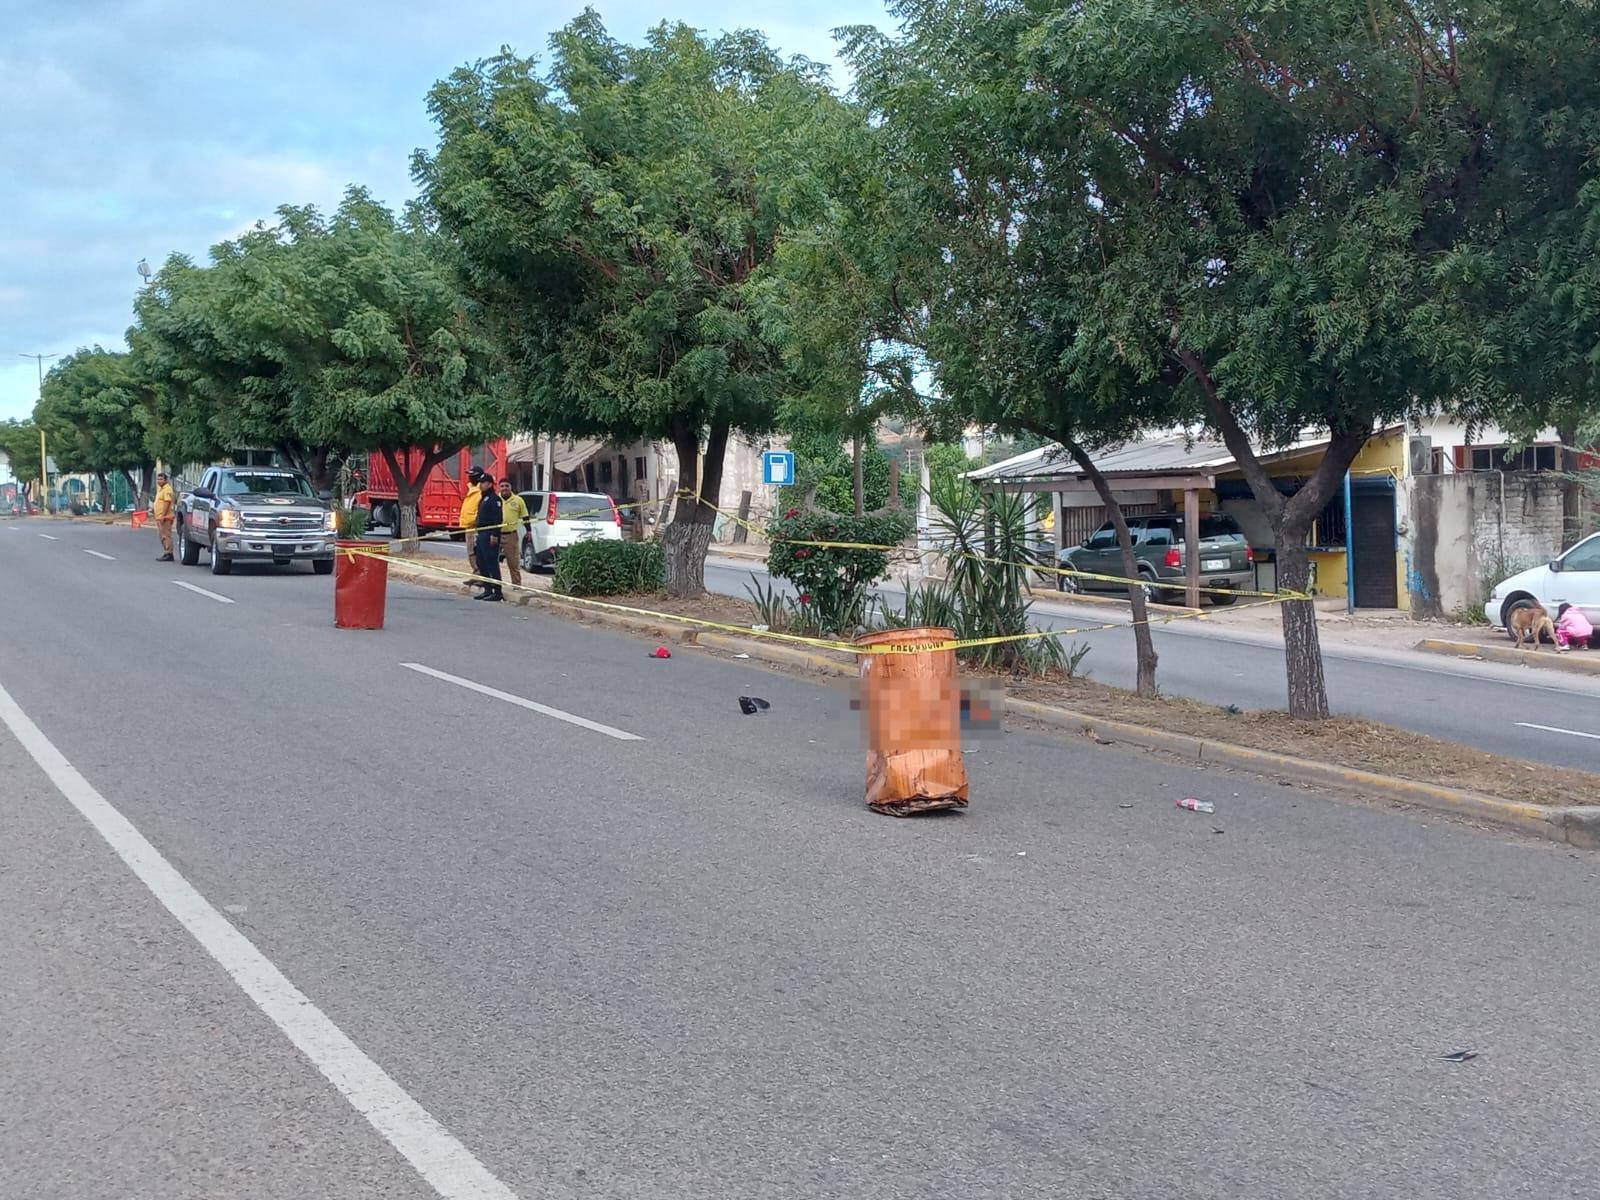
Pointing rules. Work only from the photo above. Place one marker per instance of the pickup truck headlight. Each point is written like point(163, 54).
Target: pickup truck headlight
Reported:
point(228, 518)
point(330, 523)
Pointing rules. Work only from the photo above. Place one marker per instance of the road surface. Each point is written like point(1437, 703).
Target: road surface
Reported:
point(408, 937)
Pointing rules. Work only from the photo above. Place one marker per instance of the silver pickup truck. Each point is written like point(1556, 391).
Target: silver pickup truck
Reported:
point(265, 514)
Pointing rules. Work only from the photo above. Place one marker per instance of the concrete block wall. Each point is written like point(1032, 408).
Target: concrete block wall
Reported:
point(1464, 532)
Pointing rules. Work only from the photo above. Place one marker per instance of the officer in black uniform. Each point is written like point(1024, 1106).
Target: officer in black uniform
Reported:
point(490, 518)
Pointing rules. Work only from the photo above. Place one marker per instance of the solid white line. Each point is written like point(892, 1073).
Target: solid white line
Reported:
point(97, 554)
point(584, 722)
point(1558, 729)
point(200, 591)
point(448, 1166)
point(49, 537)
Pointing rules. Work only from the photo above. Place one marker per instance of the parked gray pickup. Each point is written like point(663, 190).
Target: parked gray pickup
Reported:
point(267, 514)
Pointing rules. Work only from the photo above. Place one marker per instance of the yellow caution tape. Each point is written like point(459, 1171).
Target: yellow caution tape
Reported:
point(768, 634)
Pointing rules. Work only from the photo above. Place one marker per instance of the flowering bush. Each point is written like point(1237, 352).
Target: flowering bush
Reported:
point(832, 581)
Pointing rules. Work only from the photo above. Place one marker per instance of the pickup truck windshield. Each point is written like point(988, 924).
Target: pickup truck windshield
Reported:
point(264, 483)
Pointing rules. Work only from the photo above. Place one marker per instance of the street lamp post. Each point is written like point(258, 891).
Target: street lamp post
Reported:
point(44, 464)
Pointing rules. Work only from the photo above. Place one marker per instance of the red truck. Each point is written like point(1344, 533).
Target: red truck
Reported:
point(439, 507)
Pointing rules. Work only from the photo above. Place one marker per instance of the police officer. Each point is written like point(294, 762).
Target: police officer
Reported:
point(491, 517)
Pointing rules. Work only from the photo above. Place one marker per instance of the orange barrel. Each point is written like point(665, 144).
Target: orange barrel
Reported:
point(911, 707)
point(360, 583)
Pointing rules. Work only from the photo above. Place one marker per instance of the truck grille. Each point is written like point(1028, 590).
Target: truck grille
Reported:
point(288, 522)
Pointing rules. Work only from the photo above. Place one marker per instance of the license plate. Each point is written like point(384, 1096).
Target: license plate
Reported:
point(1213, 564)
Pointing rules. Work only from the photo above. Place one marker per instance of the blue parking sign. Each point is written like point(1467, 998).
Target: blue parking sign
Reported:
point(777, 467)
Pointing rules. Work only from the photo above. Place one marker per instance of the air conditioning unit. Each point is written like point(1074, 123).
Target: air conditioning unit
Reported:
point(1419, 456)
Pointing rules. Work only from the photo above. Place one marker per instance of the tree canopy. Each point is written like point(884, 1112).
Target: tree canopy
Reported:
point(92, 408)
point(617, 214)
point(1248, 217)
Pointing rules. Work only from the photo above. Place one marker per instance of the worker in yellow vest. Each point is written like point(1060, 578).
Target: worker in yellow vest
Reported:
point(163, 510)
point(469, 522)
point(515, 513)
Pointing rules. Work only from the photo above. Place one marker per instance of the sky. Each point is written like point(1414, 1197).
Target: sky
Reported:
point(137, 128)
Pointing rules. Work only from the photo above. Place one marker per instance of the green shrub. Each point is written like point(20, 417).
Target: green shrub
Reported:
point(832, 583)
point(609, 569)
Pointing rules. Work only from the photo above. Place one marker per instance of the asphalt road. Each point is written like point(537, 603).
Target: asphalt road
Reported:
point(691, 964)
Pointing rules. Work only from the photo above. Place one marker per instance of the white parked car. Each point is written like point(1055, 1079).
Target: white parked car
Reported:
point(1574, 578)
point(563, 519)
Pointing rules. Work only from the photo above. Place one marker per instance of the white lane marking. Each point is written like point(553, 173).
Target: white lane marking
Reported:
point(200, 591)
point(1558, 729)
point(49, 537)
point(583, 722)
point(448, 1166)
point(97, 554)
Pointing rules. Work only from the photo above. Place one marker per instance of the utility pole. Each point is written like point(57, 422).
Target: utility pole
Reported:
point(44, 463)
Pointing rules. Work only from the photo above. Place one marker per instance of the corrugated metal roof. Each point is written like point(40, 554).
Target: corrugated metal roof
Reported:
point(1177, 453)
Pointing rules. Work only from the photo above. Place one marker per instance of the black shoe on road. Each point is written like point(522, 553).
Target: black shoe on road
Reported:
point(164, 558)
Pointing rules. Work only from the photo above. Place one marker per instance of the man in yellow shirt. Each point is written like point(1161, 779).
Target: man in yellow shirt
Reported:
point(516, 516)
point(163, 510)
point(469, 522)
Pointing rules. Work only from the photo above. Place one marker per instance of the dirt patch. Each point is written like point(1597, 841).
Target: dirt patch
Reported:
point(1342, 741)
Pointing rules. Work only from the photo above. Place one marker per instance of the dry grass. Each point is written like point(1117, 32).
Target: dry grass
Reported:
point(1343, 741)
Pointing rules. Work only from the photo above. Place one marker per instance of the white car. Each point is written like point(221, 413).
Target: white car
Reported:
point(563, 519)
point(1574, 578)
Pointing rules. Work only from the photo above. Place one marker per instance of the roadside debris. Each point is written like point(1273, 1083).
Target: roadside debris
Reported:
point(759, 628)
point(661, 652)
point(1125, 806)
point(751, 705)
point(1193, 805)
point(1460, 1055)
point(741, 655)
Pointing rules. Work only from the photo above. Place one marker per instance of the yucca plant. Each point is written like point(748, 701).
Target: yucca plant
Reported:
point(984, 538)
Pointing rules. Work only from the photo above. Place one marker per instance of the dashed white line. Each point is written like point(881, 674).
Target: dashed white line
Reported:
point(49, 537)
point(621, 735)
point(1558, 729)
point(432, 1150)
point(97, 554)
point(200, 591)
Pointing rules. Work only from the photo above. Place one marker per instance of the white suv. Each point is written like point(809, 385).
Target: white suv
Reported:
point(565, 518)
point(1574, 579)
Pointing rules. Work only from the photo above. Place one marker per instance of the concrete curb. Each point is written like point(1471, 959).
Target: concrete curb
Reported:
point(1579, 662)
point(1576, 825)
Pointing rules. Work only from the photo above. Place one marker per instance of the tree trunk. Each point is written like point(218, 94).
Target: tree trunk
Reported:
point(686, 540)
point(1572, 522)
point(134, 490)
point(1302, 647)
point(1144, 646)
point(408, 491)
point(1291, 520)
point(857, 485)
point(105, 491)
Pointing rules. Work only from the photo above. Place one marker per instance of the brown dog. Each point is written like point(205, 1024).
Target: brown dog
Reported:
point(1531, 623)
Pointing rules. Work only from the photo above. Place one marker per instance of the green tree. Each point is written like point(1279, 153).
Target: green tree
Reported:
point(1251, 211)
point(92, 410)
point(385, 354)
point(19, 440)
point(617, 216)
point(1536, 360)
point(219, 379)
